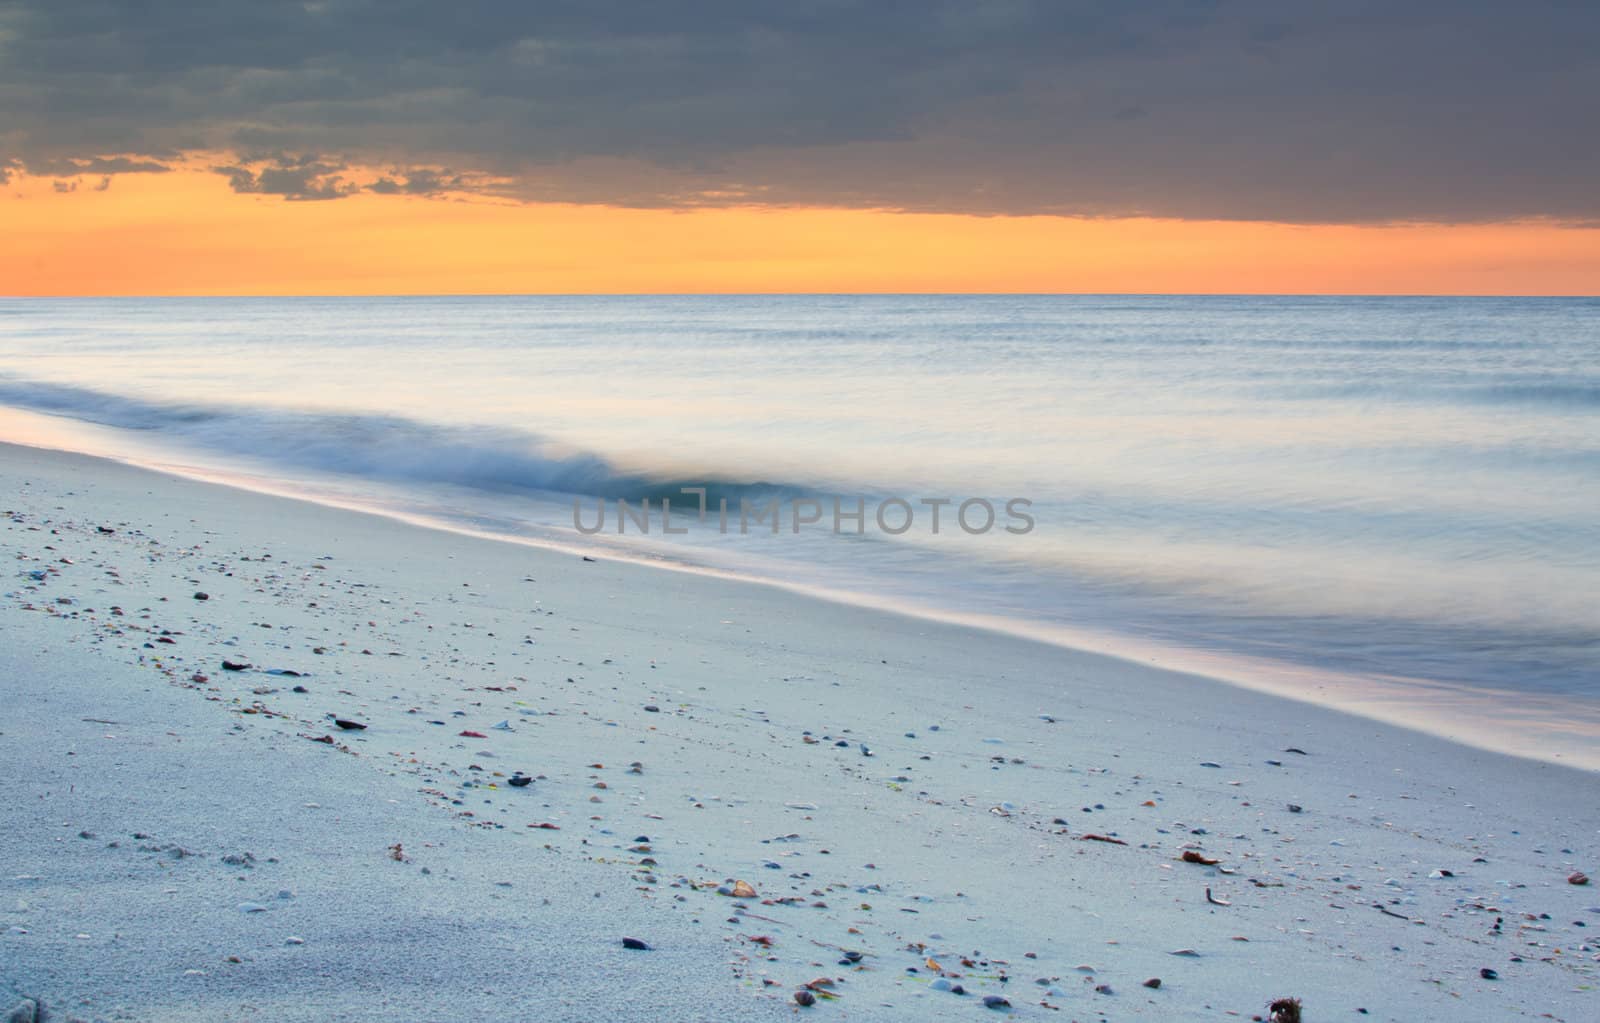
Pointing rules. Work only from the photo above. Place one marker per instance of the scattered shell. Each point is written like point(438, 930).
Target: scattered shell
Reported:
point(1284, 1010)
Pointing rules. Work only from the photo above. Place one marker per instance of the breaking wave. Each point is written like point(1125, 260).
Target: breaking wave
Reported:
point(390, 448)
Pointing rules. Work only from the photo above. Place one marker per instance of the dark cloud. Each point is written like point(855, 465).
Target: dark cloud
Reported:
point(304, 178)
point(95, 165)
point(423, 182)
point(1289, 110)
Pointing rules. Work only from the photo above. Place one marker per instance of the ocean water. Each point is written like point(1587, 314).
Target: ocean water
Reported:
point(1386, 504)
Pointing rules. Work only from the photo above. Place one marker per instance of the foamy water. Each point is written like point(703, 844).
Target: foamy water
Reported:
point(1362, 496)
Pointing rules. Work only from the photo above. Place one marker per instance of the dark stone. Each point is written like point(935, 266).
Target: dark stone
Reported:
point(635, 944)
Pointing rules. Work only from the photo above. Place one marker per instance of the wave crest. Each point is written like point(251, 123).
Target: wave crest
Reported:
point(375, 446)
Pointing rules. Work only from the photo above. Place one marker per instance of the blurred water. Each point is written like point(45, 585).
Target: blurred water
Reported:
point(1337, 489)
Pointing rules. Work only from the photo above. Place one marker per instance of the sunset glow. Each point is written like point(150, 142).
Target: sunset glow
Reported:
point(187, 233)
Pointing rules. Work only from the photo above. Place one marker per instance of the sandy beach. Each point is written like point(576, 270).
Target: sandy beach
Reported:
point(893, 819)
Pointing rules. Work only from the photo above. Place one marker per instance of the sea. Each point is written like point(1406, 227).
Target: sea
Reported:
point(1386, 505)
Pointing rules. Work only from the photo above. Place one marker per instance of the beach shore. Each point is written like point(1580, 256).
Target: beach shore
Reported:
point(927, 815)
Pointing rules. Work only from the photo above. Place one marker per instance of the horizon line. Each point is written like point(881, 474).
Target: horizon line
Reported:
point(194, 296)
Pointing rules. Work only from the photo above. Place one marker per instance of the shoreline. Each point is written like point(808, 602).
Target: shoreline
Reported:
point(965, 840)
point(1453, 712)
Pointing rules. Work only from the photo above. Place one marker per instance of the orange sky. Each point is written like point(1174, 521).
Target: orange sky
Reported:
point(186, 233)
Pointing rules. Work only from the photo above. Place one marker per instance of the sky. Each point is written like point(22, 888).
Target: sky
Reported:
point(411, 146)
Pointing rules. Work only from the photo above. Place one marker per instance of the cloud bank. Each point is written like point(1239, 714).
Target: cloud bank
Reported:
point(1291, 110)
